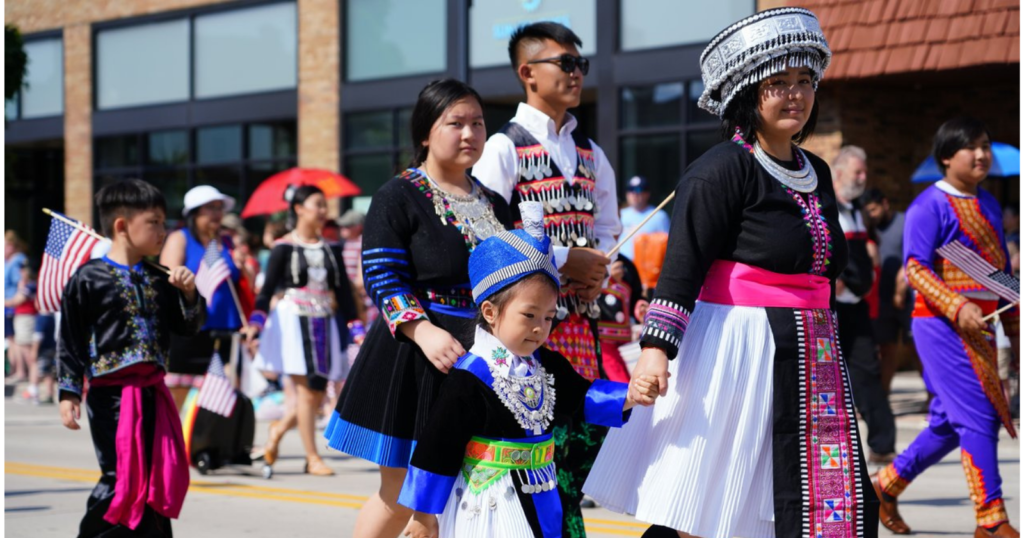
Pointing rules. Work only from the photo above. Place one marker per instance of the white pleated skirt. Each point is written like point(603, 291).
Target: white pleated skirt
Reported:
point(700, 459)
point(496, 512)
point(282, 345)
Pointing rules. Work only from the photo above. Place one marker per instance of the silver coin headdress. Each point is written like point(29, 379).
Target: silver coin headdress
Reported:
point(755, 48)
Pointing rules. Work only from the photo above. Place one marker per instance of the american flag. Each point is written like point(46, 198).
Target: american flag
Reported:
point(217, 395)
point(981, 271)
point(212, 271)
point(67, 248)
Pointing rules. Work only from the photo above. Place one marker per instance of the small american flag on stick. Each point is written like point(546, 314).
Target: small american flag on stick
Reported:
point(217, 395)
point(212, 271)
point(68, 246)
point(981, 271)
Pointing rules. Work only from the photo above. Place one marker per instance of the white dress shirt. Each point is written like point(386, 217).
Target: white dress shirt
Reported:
point(498, 169)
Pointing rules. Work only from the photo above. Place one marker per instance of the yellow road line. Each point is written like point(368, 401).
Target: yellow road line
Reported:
point(229, 489)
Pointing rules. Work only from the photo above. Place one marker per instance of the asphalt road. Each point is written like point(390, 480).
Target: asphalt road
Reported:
point(49, 471)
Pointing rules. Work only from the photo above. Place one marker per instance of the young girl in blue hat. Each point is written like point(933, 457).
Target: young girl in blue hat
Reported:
point(485, 466)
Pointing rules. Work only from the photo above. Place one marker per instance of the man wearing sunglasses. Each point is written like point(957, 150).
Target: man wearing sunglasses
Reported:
point(539, 157)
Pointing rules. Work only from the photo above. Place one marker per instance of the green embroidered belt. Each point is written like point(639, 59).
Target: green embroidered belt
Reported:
point(487, 460)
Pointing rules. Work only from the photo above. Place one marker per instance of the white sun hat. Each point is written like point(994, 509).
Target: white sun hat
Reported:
point(203, 194)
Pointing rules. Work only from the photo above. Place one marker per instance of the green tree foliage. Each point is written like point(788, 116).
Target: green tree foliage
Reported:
point(15, 61)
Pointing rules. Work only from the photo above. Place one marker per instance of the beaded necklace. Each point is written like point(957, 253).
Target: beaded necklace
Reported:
point(472, 215)
point(815, 221)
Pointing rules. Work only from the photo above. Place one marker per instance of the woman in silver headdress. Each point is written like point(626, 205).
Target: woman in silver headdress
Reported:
point(755, 435)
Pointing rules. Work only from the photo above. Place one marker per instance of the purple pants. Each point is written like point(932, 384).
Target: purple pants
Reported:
point(961, 415)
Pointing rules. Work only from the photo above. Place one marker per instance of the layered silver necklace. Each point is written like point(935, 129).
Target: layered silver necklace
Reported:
point(804, 180)
point(473, 210)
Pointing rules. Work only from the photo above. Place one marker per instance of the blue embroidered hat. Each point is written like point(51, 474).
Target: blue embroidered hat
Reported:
point(508, 257)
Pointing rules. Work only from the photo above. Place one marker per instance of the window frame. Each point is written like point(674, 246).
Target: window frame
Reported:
point(19, 101)
point(190, 14)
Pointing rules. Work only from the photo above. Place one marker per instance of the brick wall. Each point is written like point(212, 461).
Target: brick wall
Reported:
point(319, 66)
point(895, 124)
point(37, 15)
point(78, 122)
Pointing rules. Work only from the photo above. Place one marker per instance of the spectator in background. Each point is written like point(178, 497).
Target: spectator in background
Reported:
point(1011, 227)
point(189, 357)
point(638, 195)
point(44, 349)
point(351, 224)
point(892, 326)
point(241, 253)
point(332, 233)
point(24, 305)
point(618, 303)
point(856, 335)
point(272, 231)
point(14, 259)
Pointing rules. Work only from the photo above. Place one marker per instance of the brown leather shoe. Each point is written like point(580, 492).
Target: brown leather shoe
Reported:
point(881, 459)
point(316, 467)
point(1004, 531)
point(273, 438)
point(888, 513)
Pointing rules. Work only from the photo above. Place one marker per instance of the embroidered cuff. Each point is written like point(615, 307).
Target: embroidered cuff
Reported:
point(67, 383)
point(401, 308)
point(664, 326)
point(934, 289)
point(258, 319)
point(425, 491)
point(991, 513)
point(604, 403)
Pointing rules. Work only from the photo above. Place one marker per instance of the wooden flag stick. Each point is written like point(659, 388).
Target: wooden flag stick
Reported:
point(614, 250)
point(238, 303)
point(79, 226)
point(992, 317)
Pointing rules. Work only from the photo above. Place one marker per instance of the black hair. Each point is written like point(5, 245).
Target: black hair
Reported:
point(873, 196)
point(955, 135)
point(1012, 208)
point(742, 113)
point(124, 199)
point(538, 32)
point(297, 195)
point(502, 297)
point(433, 100)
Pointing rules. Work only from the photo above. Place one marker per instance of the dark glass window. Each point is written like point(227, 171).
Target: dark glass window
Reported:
point(227, 179)
point(233, 158)
point(654, 156)
point(370, 130)
point(173, 182)
point(167, 148)
point(117, 151)
point(272, 140)
point(652, 106)
point(219, 144)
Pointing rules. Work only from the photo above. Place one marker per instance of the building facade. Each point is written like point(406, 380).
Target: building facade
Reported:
point(901, 68)
point(187, 92)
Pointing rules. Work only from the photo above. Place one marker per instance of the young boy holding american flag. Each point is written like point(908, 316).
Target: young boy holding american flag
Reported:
point(116, 319)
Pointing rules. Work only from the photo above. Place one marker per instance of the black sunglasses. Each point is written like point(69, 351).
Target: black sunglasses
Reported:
point(567, 62)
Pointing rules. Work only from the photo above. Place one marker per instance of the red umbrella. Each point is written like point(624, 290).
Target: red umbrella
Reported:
point(269, 196)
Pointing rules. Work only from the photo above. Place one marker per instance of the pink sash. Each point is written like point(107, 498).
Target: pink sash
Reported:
point(734, 283)
point(164, 484)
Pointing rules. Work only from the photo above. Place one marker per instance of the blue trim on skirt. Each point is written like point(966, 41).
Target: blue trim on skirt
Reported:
point(367, 444)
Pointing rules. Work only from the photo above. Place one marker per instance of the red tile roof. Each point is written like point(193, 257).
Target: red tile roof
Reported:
point(882, 37)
